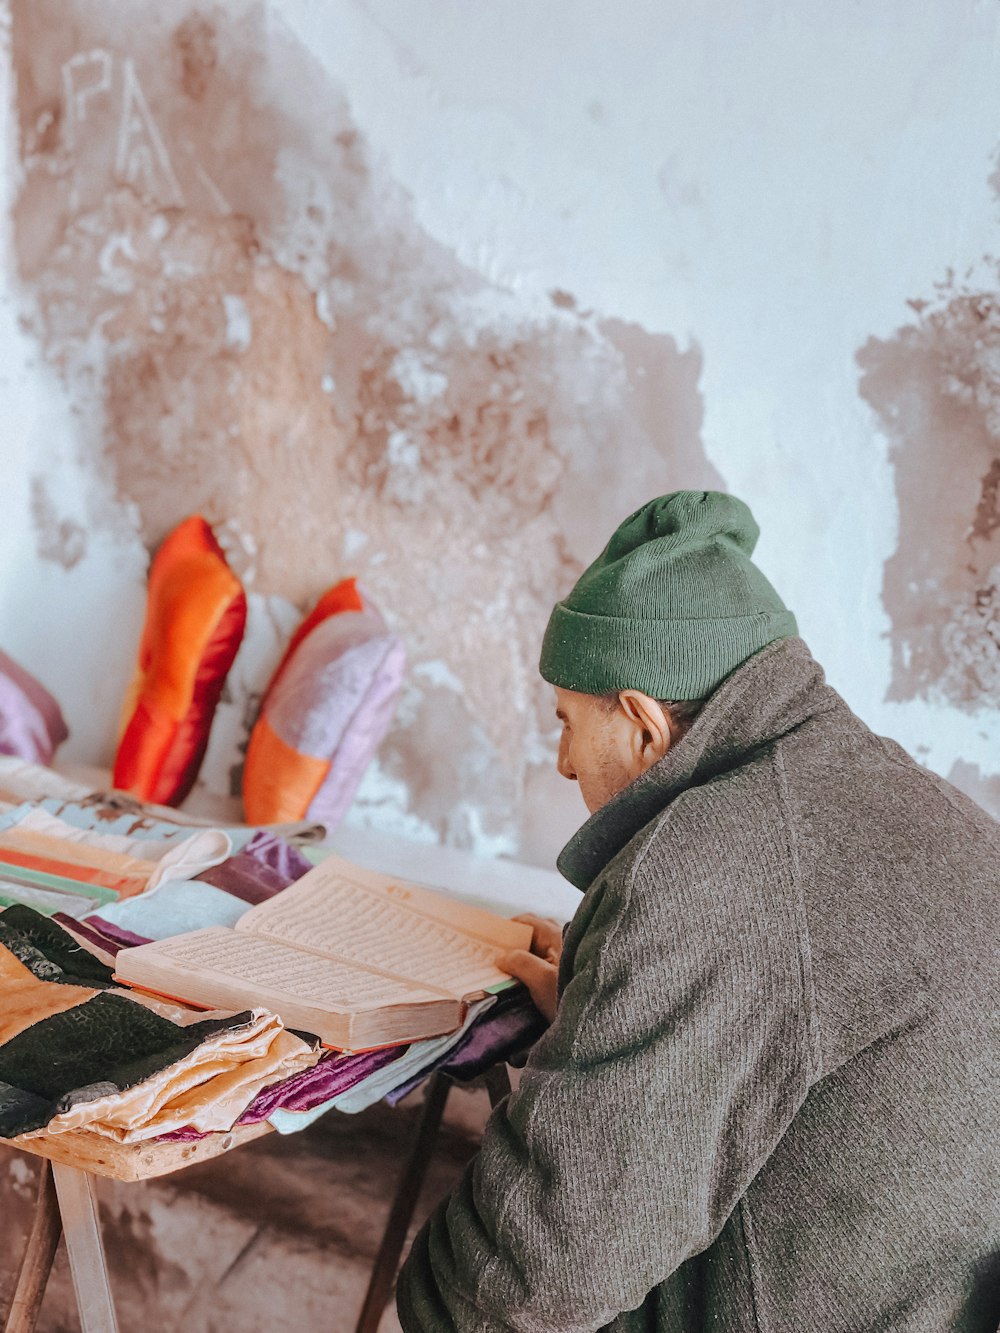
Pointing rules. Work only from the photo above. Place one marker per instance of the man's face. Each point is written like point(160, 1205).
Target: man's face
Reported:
point(594, 747)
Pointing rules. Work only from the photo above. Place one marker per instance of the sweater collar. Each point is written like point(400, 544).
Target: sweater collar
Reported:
point(770, 694)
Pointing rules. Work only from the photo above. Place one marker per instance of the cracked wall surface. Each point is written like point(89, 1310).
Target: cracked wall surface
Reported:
point(250, 323)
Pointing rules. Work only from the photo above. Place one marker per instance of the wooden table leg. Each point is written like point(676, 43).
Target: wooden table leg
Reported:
point(82, 1229)
point(497, 1080)
point(46, 1228)
point(401, 1213)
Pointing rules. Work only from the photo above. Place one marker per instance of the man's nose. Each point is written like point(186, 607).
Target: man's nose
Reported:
point(564, 766)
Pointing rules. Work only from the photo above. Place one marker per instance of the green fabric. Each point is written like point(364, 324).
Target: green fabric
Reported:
point(77, 888)
point(671, 606)
point(768, 1098)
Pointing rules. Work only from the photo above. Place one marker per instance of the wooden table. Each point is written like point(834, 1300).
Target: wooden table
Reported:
point(66, 1204)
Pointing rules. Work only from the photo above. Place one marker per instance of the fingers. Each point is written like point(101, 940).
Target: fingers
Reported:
point(540, 977)
point(527, 967)
point(532, 919)
point(546, 938)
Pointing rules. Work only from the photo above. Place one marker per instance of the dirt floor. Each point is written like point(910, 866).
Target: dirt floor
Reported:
point(277, 1235)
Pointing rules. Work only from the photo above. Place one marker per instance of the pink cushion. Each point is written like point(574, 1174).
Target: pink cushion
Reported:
point(31, 723)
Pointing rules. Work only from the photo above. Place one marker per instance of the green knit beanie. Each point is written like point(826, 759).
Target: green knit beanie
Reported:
point(671, 606)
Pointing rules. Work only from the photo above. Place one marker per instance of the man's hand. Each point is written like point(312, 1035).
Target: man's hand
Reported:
point(539, 969)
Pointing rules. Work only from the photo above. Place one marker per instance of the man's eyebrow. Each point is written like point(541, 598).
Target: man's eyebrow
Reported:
point(561, 715)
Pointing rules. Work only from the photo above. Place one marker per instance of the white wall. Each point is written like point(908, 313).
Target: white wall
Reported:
point(766, 184)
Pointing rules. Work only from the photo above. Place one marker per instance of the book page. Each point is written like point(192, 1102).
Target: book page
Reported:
point(468, 919)
point(272, 968)
point(351, 914)
point(488, 927)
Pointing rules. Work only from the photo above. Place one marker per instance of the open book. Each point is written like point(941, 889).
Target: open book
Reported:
point(359, 959)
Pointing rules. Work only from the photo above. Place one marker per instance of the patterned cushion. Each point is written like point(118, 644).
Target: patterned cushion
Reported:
point(31, 724)
point(325, 711)
point(195, 616)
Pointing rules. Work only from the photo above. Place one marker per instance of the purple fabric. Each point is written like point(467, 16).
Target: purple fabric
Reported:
point(333, 1075)
point(279, 854)
point(328, 1078)
point(265, 866)
point(503, 1031)
point(31, 723)
point(244, 877)
point(333, 699)
point(112, 937)
point(363, 732)
point(87, 932)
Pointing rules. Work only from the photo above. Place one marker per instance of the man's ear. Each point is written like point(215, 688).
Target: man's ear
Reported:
point(653, 736)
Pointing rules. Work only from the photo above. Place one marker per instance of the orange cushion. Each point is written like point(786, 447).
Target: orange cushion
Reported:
point(283, 781)
point(195, 617)
point(326, 709)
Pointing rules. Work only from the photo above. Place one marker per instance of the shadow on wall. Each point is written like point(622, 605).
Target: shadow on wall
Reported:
point(254, 327)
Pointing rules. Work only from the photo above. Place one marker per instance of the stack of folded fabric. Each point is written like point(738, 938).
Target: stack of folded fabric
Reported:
point(50, 863)
point(132, 1067)
point(496, 1028)
point(78, 1053)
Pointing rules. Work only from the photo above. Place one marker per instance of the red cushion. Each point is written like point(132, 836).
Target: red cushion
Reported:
point(195, 617)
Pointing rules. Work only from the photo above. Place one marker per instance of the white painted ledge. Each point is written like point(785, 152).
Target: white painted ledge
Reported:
point(505, 886)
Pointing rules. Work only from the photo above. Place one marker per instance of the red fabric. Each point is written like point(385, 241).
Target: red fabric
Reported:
point(195, 618)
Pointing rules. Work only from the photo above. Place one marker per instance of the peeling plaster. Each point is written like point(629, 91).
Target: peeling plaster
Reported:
point(983, 788)
point(935, 388)
point(258, 329)
point(61, 540)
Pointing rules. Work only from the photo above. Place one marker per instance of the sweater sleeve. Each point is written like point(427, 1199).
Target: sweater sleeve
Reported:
point(680, 1052)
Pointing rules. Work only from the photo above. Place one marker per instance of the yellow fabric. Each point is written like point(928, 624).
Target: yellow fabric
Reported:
point(208, 1089)
point(158, 859)
point(62, 849)
point(24, 1000)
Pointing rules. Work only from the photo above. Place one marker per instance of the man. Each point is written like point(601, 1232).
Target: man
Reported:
point(767, 1099)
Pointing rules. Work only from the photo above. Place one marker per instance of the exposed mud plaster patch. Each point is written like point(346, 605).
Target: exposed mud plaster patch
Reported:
point(260, 331)
point(197, 50)
point(663, 402)
point(982, 788)
point(61, 540)
point(987, 517)
point(935, 387)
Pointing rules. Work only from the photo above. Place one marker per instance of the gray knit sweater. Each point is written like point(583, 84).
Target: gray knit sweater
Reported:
point(769, 1097)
